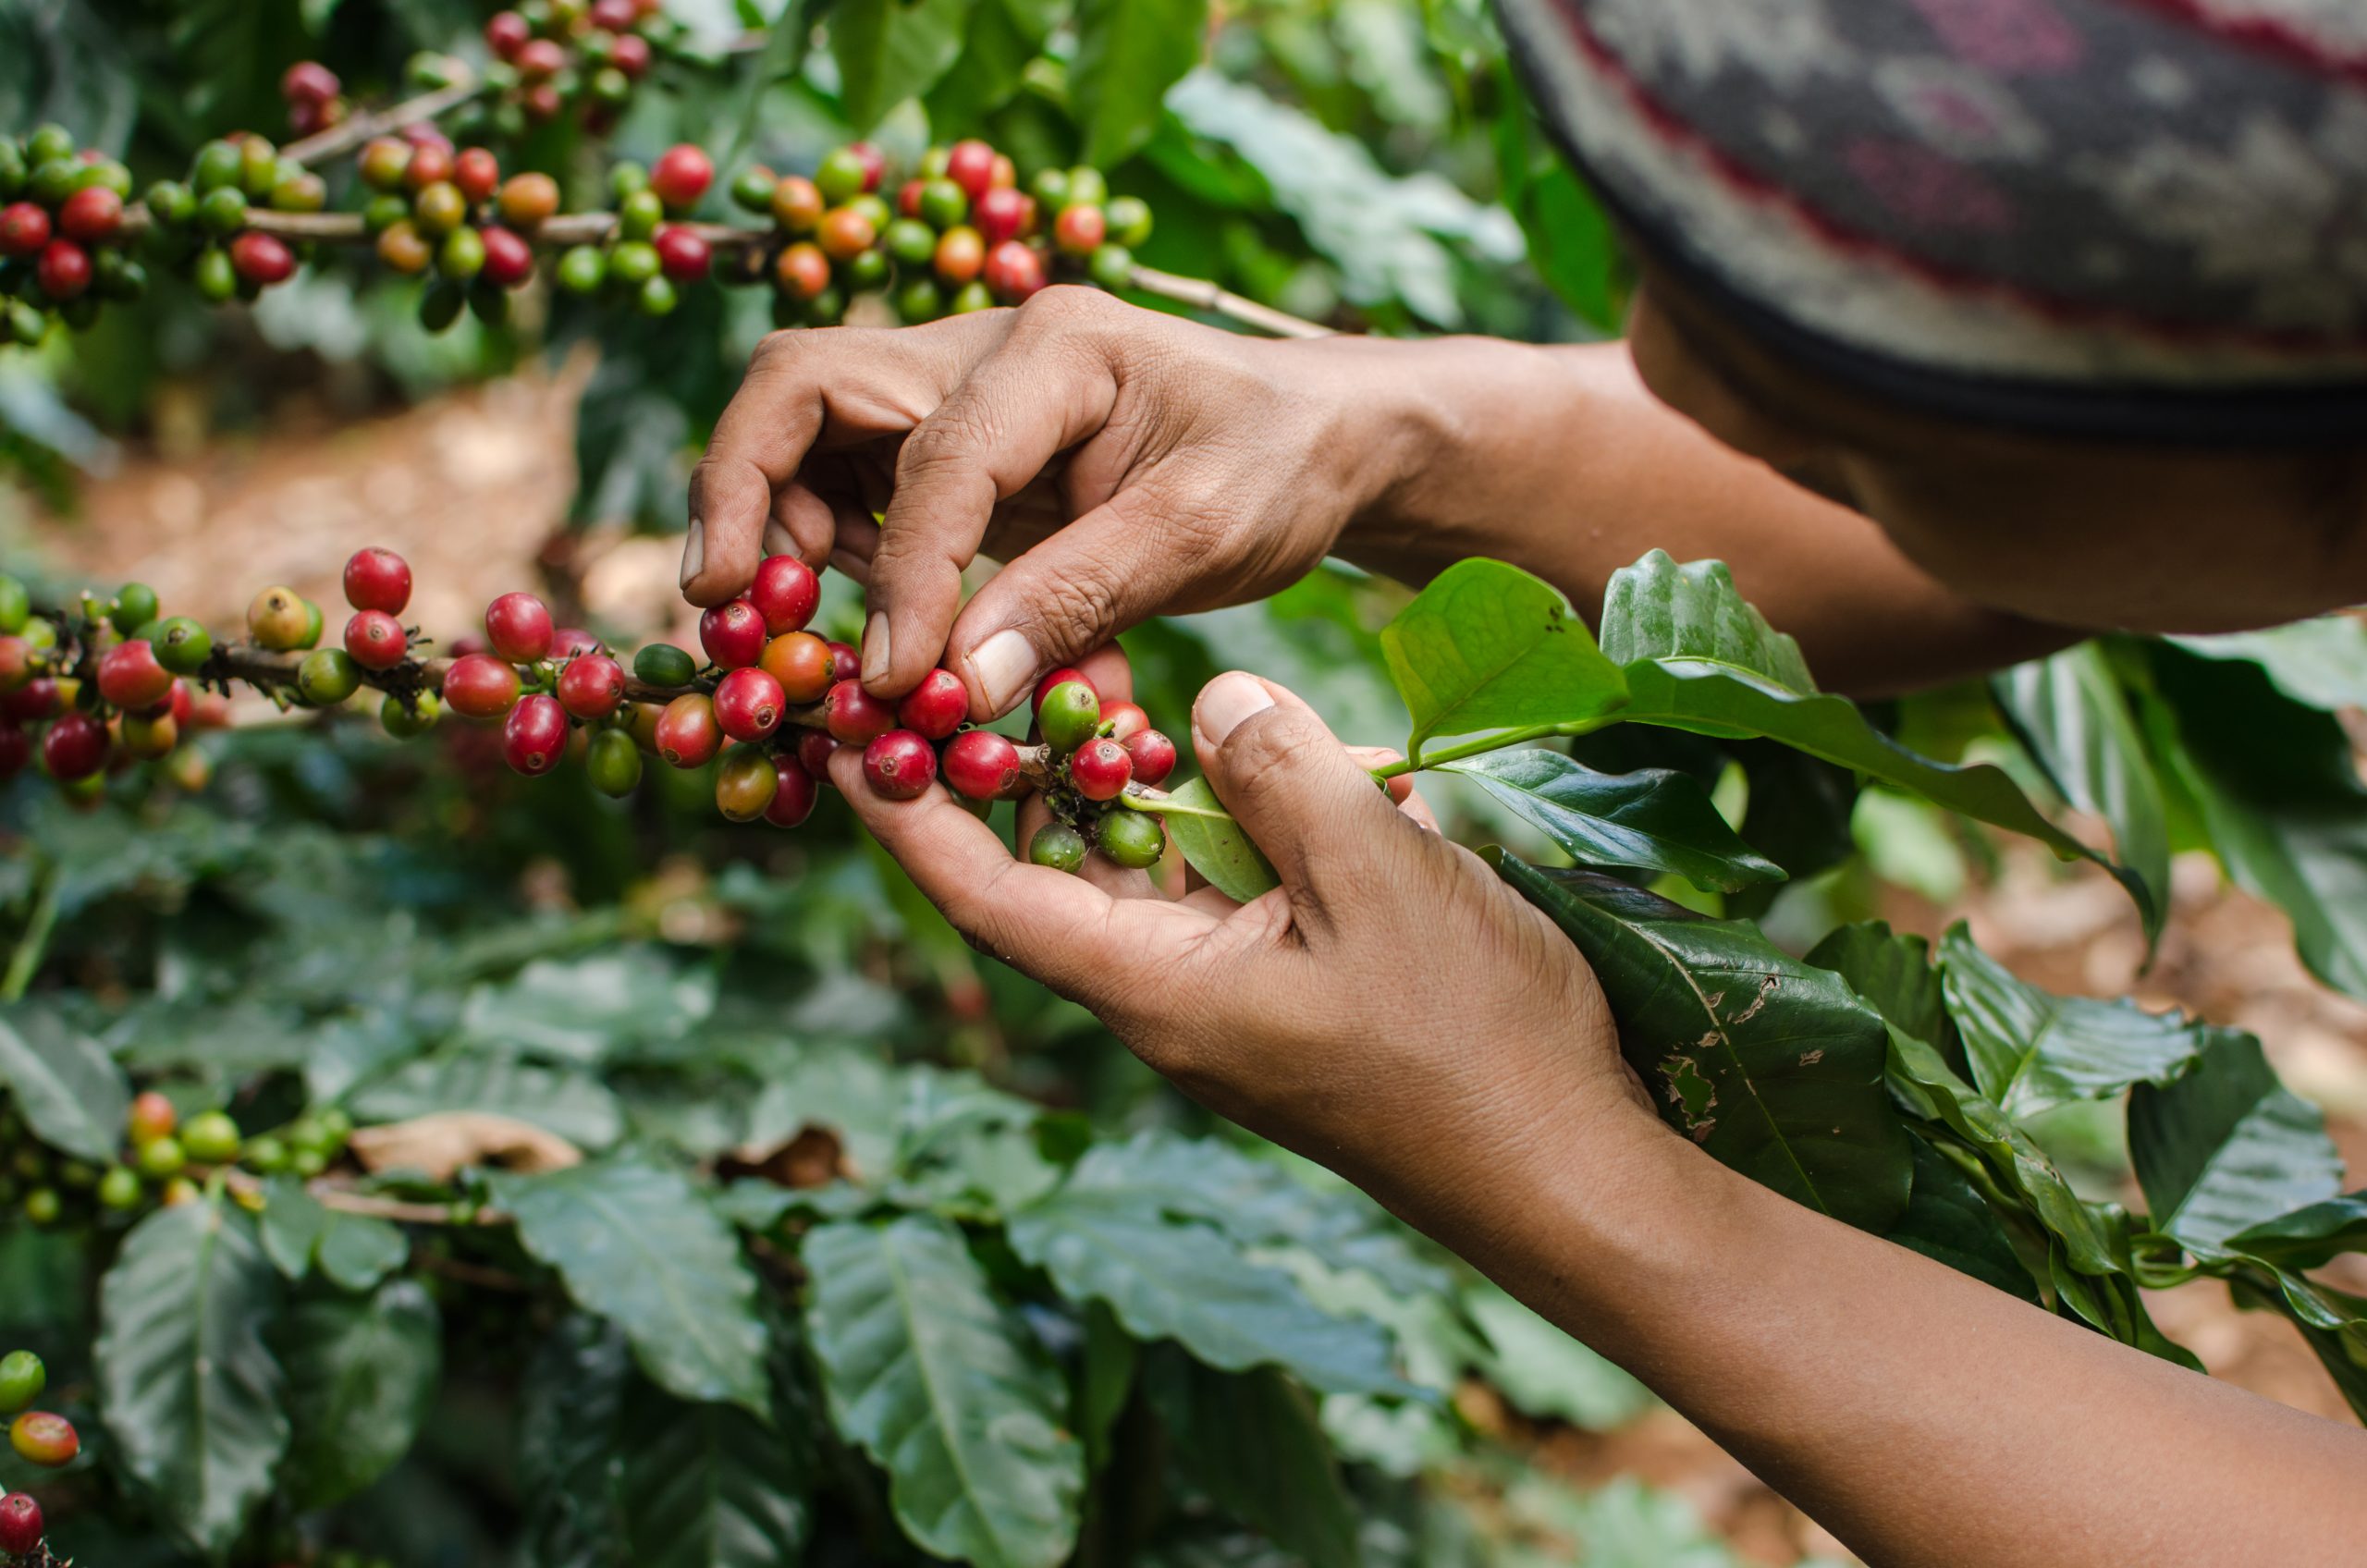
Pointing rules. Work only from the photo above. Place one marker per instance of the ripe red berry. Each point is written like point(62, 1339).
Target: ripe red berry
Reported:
point(1061, 676)
point(375, 640)
point(786, 593)
point(572, 642)
point(803, 271)
point(309, 81)
point(631, 55)
point(534, 739)
point(845, 234)
point(378, 580)
point(76, 747)
point(24, 228)
point(592, 686)
point(64, 270)
point(262, 258)
point(20, 1525)
point(480, 686)
point(1101, 770)
point(519, 627)
point(16, 750)
point(854, 716)
point(152, 1117)
point(733, 634)
point(899, 764)
point(1154, 756)
point(477, 172)
point(982, 765)
point(681, 177)
point(538, 59)
point(681, 254)
point(687, 735)
point(35, 700)
point(1078, 230)
point(614, 16)
point(1004, 215)
point(1123, 720)
point(507, 33)
point(844, 661)
point(971, 166)
point(509, 260)
point(130, 676)
point(748, 704)
point(794, 793)
point(874, 162)
point(44, 1440)
point(814, 748)
point(937, 706)
point(1014, 272)
point(908, 198)
point(91, 214)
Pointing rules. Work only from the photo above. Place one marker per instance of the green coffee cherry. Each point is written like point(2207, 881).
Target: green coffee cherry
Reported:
point(43, 1206)
point(1111, 266)
point(328, 677)
point(462, 254)
point(633, 261)
point(217, 167)
point(1070, 716)
point(404, 717)
point(211, 1138)
point(1058, 845)
point(223, 210)
point(1129, 218)
point(583, 269)
point(266, 1155)
point(639, 215)
point(134, 608)
point(119, 1189)
point(662, 664)
point(16, 605)
point(217, 277)
point(613, 764)
point(658, 297)
point(1132, 839)
point(311, 626)
point(22, 1378)
point(172, 203)
point(182, 645)
point(160, 1157)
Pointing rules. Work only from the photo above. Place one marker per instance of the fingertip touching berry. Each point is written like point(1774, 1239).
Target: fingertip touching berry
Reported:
point(900, 765)
point(1121, 721)
point(814, 748)
point(937, 706)
point(534, 738)
point(855, 717)
point(844, 661)
point(1061, 676)
point(733, 634)
point(1102, 769)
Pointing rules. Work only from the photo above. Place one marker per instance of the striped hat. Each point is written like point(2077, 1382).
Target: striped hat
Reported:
point(2137, 219)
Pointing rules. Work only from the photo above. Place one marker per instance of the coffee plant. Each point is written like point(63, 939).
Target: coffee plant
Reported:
point(443, 1116)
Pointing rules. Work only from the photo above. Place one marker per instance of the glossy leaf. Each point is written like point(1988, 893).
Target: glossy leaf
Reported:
point(1657, 609)
point(1657, 821)
point(571, 1407)
point(1253, 1443)
point(290, 1225)
point(712, 1486)
point(1948, 1221)
point(2334, 1322)
point(637, 1244)
point(1895, 972)
point(1214, 843)
point(2309, 1237)
point(2320, 663)
point(190, 1389)
point(356, 1251)
point(2228, 1147)
point(1486, 647)
point(928, 1373)
point(1128, 54)
point(567, 1101)
point(891, 50)
point(1772, 1065)
point(66, 1086)
point(363, 1373)
point(1005, 37)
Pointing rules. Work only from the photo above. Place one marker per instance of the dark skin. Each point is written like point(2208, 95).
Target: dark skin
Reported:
point(1396, 1012)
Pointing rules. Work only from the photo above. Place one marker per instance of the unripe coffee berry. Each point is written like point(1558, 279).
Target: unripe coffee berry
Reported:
point(592, 686)
point(844, 234)
point(75, 747)
point(130, 676)
point(801, 661)
point(22, 1377)
point(152, 1117)
point(519, 627)
point(211, 1138)
point(1153, 754)
point(534, 738)
point(1061, 676)
point(328, 677)
point(1058, 845)
point(662, 664)
point(1069, 715)
point(803, 271)
point(687, 735)
point(480, 686)
point(745, 784)
point(748, 704)
point(1078, 230)
point(797, 204)
point(899, 764)
point(937, 706)
point(375, 640)
point(160, 1157)
point(403, 717)
point(119, 1189)
point(528, 199)
point(1132, 839)
point(855, 717)
point(613, 764)
point(733, 634)
point(20, 1525)
point(786, 593)
point(44, 1440)
point(148, 737)
point(982, 765)
point(794, 792)
point(1102, 769)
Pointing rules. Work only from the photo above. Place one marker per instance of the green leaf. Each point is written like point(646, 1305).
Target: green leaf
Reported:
point(1112, 1358)
point(1252, 1441)
point(891, 50)
point(190, 1391)
point(68, 1090)
point(1214, 843)
point(712, 1486)
point(927, 1371)
point(571, 1408)
point(2228, 1147)
point(562, 1101)
point(290, 1225)
point(2070, 714)
point(1128, 54)
point(2309, 1237)
point(1487, 646)
point(2334, 1322)
point(638, 1244)
point(1657, 609)
point(1948, 1221)
point(1106, 1236)
point(1545, 1373)
point(2032, 1050)
point(363, 1373)
point(1655, 821)
point(1893, 972)
point(1772, 1065)
point(2320, 663)
point(585, 1009)
point(1005, 38)
point(356, 1251)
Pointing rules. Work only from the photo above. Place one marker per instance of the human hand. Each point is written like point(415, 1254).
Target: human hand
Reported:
point(1391, 1010)
point(1124, 464)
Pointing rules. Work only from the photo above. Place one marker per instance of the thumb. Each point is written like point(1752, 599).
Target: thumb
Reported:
point(1292, 787)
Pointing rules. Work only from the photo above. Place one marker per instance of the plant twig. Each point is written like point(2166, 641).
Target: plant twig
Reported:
point(355, 129)
point(33, 946)
point(1206, 296)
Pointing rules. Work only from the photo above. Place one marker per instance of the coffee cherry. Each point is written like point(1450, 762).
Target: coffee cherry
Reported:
point(794, 793)
point(404, 249)
point(745, 784)
point(873, 162)
point(682, 254)
point(44, 1440)
point(24, 229)
point(1069, 715)
point(20, 1525)
point(1061, 676)
point(1102, 769)
point(262, 259)
point(152, 1116)
point(845, 661)
point(1014, 272)
point(583, 269)
point(919, 300)
point(844, 234)
point(613, 764)
point(937, 706)
point(529, 199)
point(534, 738)
point(519, 627)
point(1058, 845)
point(76, 747)
point(1129, 220)
point(277, 618)
point(786, 593)
point(17, 663)
point(16, 750)
point(1135, 839)
point(404, 716)
point(509, 260)
point(803, 271)
point(941, 204)
point(1111, 267)
point(211, 1138)
point(592, 686)
point(971, 166)
point(16, 605)
point(37, 698)
point(130, 676)
point(1120, 721)
point(480, 686)
point(814, 749)
point(385, 163)
point(798, 204)
point(982, 765)
point(22, 1377)
point(160, 1157)
point(630, 56)
point(681, 177)
point(1088, 188)
point(375, 640)
point(539, 59)
point(688, 734)
point(748, 704)
point(961, 256)
point(899, 764)
point(855, 717)
point(478, 174)
point(378, 580)
point(92, 214)
point(181, 1190)
point(148, 737)
point(119, 1189)
point(1004, 215)
point(135, 605)
point(733, 634)
point(64, 270)
point(662, 664)
point(507, 33)
point(1153, 754)
point(839, 175)
point(328, 676)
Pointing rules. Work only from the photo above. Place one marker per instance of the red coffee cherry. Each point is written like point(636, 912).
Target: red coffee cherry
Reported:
point(1101, 770)
point(845, 234)
point(899, 764)
point(1062, 677)
point(748, 704)
point(614, 16)
point(786, 593)
point(378, 580)
point(534, 739)
point(20, 1525)
point(76, 747)
point(64, 270)
point(803, 271)
point(509, 260)
point(1003, 215)
point(16, 750)
point(262, 259)
point(480, 686)
point(519, 627)
point(478, 174)
point(34, 701)
point(375, 640)
point(1079, 230)
point(687, 735)
point(971, 164)
point(1014, 272)
point(844, 661)
point(539, 59)
point(592, 686)
point(802, 664)
point(794, 793)
point(90, 214)
point(1154, 756)
point(130, 676)
point(44, 1440)
point(874, 162)
point(681, 254)
point(1123, 720)
point(681, 177)
point(24, 228)
point(17, 663)
point(937, 706)
point(814, 748)
point(733, 634)
point(152, 1117)
point(309, 81)
point(631, 55)
point(572, 642)
point(982, 765)
point(507, 33)
point(854, 716)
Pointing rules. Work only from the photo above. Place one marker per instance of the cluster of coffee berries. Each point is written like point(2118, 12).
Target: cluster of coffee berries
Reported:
point(62, 234)
point(39, 1437)
point(1094, 753)
point(436, 207)
point(108, 687)
point(204, 224)
point(315, 98)
point(649, 255)
point(548, 54)
point(161, 1160)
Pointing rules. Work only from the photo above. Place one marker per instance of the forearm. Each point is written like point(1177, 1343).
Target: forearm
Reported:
point(1561, 462)
point(1922, 1416)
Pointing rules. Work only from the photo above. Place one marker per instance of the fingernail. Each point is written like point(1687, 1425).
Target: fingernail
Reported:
point(874, 647)
point(1003, 666)
point(1226, 701)
point(693, 552)
point(777, 542)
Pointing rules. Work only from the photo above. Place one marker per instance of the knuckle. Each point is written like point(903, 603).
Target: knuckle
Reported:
point(1073, 603)
point(947, 441)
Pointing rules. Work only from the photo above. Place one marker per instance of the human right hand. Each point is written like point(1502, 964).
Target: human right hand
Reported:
point(1123, 463)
